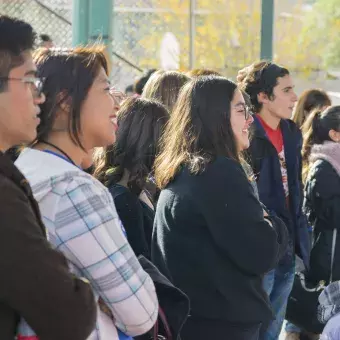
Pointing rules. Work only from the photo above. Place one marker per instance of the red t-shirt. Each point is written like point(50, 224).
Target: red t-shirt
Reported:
point(276, 138)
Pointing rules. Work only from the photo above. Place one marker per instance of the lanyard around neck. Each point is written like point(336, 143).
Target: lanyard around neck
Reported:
point(64, 155)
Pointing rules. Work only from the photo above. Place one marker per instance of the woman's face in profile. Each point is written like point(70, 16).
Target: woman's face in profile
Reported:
point(98, 114)
point(240, 120)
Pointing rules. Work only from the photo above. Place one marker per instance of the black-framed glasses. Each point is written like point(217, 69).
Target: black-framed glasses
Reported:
point(247, 110)
point(35, 83)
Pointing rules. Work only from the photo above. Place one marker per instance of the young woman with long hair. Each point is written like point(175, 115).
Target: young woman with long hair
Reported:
point(310, 100)
point(321, 174)
point(78, 211)
point(125, 167)
point(210, 228)
point(165, 86)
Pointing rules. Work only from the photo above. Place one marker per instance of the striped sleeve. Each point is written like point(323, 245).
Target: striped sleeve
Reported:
point(92, 238)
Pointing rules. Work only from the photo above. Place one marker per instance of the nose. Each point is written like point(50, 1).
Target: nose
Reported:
point(295, 97)
point(40, 99)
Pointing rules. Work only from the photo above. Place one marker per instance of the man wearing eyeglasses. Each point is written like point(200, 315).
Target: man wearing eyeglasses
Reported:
point(35, 282)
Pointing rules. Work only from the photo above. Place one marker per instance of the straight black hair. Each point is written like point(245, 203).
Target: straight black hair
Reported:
point(16, 36)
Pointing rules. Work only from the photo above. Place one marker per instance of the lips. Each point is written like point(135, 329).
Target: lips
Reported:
point(114, 122)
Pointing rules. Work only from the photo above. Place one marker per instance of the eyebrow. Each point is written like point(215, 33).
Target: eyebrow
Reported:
point(288, 87)
point(240, 104)
point(104, 80)
point(31, 73)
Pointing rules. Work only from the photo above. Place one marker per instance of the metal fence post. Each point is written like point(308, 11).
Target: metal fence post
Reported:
point(192, 33)
point(267, 26)
point(80, 22)
point(100, 25)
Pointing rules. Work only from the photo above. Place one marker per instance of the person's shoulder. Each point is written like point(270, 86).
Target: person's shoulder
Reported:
point(323, 179)
point(76, 178)
point(224, 165)
point(8, 187)
point(321, 168)
point(216, 173)
point(76, 185)
point(122, 196)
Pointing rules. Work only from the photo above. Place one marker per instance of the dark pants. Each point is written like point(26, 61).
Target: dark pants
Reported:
point(278, 284)
point(206, 329)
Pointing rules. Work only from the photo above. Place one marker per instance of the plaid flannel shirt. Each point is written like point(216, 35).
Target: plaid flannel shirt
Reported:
point(82, 222)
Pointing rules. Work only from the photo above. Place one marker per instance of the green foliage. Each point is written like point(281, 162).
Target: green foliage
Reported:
point(322, 29)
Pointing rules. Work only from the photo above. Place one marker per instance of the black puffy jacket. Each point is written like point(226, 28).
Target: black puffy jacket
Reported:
point(322, 206)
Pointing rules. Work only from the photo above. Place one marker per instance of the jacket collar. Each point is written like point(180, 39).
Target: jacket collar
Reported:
point(328, 151)
point(289, 140)
point(259, 131)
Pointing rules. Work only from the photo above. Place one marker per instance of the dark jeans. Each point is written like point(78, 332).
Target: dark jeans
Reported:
point(206, 329)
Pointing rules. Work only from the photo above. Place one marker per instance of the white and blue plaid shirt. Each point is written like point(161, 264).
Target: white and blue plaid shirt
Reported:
point(82, 222)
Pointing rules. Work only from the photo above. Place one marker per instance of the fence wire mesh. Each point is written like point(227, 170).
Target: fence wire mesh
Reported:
point(223, 35)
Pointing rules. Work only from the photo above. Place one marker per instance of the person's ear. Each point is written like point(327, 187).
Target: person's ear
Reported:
point(262, 98)
point(334, 136)
point(64, 101)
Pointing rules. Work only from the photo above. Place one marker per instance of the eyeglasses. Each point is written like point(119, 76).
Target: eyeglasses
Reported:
point(36, 84)
point(247, 111)
point(117, 95)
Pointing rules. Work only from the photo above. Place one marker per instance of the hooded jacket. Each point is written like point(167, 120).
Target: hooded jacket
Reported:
point(82, 222)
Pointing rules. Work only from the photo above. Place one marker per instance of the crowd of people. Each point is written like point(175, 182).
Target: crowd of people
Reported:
point(177, 210)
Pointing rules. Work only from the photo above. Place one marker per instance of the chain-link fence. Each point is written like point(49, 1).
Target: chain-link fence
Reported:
point(219, 34)
point(54, 20)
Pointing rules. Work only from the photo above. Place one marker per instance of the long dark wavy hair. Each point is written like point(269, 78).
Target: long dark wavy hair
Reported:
point(140, 125)
point(199, 128)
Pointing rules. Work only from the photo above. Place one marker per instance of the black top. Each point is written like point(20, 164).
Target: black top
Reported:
point(137, 218)
point(211, 239)
point(322, 206)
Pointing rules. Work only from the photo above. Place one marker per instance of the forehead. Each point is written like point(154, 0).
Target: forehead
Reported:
point(101, 76)
point(27, 68)
point(238, 97)
point(283, 82)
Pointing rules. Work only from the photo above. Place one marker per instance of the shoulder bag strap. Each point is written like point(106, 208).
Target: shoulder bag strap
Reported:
point(335, 232)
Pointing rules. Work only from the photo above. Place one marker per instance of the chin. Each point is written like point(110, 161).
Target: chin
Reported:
point(245, 145)
point(29, 139)
point(109, 141)
point(288, 115)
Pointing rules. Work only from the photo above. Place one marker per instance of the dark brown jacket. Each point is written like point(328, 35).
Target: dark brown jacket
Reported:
point(35, 282)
